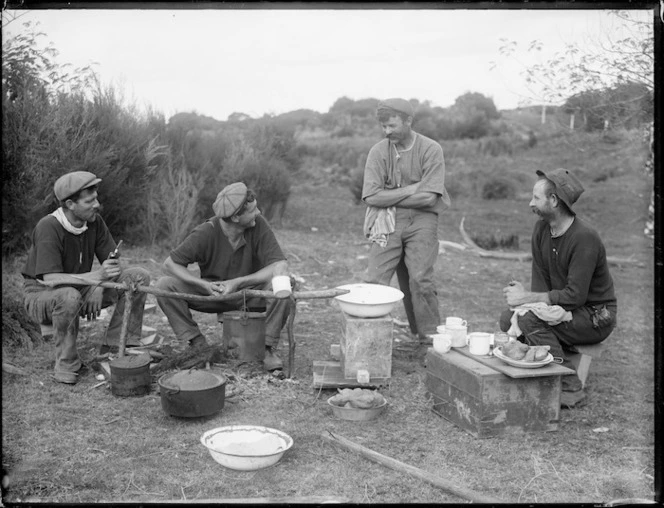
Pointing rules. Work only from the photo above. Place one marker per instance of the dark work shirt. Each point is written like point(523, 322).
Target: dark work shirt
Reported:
point(572, 268)
point(208, 246)
point(56, 250)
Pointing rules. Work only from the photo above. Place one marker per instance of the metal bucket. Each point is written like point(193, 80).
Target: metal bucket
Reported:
point(130, 375)
point(246, 331)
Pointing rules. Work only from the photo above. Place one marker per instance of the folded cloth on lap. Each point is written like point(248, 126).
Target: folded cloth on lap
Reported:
point(379, 223)
point(550, 314)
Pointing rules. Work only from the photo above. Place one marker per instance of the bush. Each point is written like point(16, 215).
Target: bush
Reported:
point(499, 188)
point(355, 185)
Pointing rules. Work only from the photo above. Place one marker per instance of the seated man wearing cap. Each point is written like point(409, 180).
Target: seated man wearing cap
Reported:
point(64, 245)
point(572, 299)
point(404, 188)
point(235, 249)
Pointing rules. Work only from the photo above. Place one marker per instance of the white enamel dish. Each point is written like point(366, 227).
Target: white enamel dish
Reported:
point(246, 447)
point(498, 353)
point(368, 300)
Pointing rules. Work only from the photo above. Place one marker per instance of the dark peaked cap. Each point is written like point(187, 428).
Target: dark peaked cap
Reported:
point(400, 105)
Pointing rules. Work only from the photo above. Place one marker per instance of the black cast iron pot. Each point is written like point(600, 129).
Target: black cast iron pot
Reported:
point(192, 393)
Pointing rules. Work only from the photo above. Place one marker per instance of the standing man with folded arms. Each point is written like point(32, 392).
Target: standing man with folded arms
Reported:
point(404, 188)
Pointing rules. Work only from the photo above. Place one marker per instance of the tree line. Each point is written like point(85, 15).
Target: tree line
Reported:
point(160, 177)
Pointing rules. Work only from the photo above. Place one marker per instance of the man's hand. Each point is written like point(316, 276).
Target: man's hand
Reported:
point(110, 269)
point(92, 306)
point(514, 293)
point(223, 287)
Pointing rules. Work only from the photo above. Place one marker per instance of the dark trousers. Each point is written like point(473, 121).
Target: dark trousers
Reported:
point(561, 337)
point(178, 311)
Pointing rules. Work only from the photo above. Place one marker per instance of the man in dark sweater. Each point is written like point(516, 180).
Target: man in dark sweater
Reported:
point(65, 244)
point(569, 270)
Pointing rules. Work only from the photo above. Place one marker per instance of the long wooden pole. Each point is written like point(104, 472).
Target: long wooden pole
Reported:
point(411, 470)
point(249, 293)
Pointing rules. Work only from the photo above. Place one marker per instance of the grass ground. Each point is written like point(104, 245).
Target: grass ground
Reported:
point(82, 444)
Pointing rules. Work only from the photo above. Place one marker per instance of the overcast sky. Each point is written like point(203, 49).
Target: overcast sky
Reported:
point(219, 61)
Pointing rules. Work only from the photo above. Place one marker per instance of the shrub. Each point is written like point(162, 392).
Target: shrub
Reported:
point(355, 185)
point(495, 145)
point(498, 188)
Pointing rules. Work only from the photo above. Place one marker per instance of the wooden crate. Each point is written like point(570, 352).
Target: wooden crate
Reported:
point(486, 402)
point(366, 344)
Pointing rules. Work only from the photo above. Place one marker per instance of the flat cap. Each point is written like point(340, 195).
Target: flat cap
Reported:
point(229, 200)
point(568, 186)
point(400, 105)
point(73, 182)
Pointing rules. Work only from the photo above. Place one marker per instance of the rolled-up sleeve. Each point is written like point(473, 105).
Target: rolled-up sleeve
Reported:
point(374, 172)
point(433, 170)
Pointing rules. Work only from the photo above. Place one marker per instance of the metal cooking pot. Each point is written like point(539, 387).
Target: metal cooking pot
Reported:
point(192, 393)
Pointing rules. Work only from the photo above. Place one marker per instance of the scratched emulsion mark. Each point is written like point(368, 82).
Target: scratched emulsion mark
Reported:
point(462, 410)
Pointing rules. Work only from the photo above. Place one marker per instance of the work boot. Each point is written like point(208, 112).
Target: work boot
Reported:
point(272, 361)
point(568, 400)
point(425, 340)
point(571, 383)
point(114, 348)
point(66, 377)
point(198, 342)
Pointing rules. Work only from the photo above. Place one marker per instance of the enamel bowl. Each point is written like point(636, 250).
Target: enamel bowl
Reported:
point(368, 300)
point(246, 447)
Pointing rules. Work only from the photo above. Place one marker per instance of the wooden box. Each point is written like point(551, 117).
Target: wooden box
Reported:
point(486, 402)
point(366, 344)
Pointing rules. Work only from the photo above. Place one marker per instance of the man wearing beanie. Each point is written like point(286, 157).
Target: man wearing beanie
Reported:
point(64, 246)
point(572, 301)
point(404, 186)
point(235, 250)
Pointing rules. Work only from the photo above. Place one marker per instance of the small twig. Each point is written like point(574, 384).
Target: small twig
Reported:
point(97, 385)
point(114, 420)
point(131, 480)
point(638, 448)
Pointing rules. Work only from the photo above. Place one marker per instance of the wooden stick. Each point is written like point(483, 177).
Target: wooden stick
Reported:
point(411, 470)
point(12, 369)
point(129, 298)
point(291, 337)
point(249, 293)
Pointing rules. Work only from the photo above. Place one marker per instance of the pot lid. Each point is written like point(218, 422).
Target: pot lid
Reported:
point(192, 380)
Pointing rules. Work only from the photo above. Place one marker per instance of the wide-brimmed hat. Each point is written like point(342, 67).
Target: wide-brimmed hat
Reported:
point(230, 200)
point(568, 186)
point(71, 183)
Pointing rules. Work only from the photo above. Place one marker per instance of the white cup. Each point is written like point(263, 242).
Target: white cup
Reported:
point(281, 286)
point(479, 343)
point(442, 342)
point(455, 321)
point(458, 333)
point(441, 329)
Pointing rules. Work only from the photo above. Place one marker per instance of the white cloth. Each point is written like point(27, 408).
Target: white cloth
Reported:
point(64, 221)
point(379, 223)
point(550, 314)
